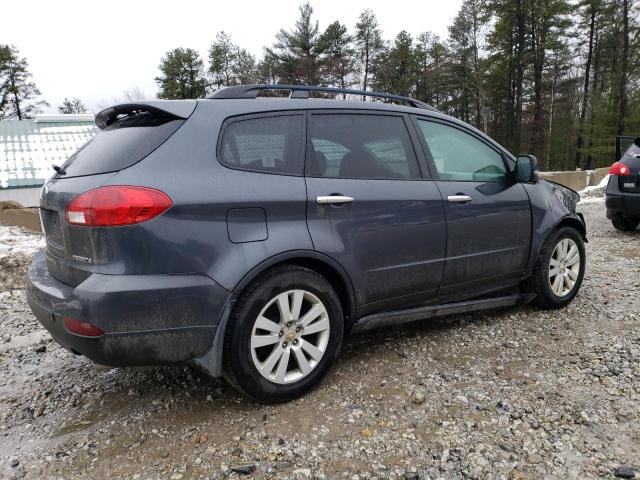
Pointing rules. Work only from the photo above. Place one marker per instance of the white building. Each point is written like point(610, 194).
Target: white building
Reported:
point(29, 149)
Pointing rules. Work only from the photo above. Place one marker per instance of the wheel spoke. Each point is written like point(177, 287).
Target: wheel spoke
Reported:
point(298, 296)
point(303, 363)
point(573, 275)
point(283, 307)
point(258, 341)
point(553, 272)
point(270, 363)
point(319, 326)
point(264, 323)
point(283, 366)
point(569, 283)
point(573, 259)
point(564, 245)
point(557, 285)
point(312, 314)
point(311, 349)
point(553, 262)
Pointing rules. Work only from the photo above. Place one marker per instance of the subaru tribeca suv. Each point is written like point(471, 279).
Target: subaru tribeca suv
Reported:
point(623, 190)
point(246, 236)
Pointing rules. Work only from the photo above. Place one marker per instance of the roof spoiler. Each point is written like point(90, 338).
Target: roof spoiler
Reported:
point(162, 108)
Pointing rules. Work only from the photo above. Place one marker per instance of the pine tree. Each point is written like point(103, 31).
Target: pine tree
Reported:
point(74, 105)
point(18, 93)
point(297, 52)
point(182, 75)
point(244, 67)
point(369, 44)
point(396, 69)
point(548, 20)
point(222, 57)
point(466, 44)
point(337, 55)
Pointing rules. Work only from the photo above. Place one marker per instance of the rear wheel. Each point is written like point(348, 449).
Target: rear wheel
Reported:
point(626, 224)
point(560, 268)
point(285, 332)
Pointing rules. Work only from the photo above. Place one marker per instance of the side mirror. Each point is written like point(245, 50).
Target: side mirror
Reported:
point(527, 168)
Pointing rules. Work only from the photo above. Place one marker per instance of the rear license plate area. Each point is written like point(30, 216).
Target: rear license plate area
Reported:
point(52, 227)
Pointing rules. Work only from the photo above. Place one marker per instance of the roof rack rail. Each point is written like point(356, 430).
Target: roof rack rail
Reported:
point(302, 91)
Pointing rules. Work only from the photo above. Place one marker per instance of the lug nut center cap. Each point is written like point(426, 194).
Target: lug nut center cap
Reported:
point(289, 336)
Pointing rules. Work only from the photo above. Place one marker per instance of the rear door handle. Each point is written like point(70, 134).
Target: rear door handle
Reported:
point(459, 198)
point(333, 199)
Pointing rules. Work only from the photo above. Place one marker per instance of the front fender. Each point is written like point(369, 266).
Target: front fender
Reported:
point(552, 206)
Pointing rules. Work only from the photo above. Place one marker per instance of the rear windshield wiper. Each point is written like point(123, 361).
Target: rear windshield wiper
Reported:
point(59, 170)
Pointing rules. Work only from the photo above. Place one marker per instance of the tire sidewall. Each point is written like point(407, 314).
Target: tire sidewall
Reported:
point(624, 223)
point(549, 296)
point(245, 372)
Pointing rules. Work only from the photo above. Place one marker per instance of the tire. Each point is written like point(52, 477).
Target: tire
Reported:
point(626, 224)
point(258, 339)
point(549, 293)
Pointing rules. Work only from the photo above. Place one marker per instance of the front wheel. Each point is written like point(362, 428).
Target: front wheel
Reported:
point(625, 224)
point(285, 332)
point(560, 268)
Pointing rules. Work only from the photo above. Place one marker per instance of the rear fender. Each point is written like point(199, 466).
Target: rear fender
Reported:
point(212, 361)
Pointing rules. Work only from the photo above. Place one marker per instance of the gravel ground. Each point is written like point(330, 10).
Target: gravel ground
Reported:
point(512, 394)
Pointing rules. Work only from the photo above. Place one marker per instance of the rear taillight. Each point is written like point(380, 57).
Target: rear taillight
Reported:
point(115, 206)
point(620, 169)
point(82, 328)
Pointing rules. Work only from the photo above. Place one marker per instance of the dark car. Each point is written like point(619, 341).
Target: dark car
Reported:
point(623, 190)
point(246, 236)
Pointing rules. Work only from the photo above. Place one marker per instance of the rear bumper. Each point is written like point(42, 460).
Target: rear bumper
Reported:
point(147, 319)
point(621, 203)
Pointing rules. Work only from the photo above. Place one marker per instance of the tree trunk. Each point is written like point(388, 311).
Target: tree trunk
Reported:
point(538, 43)
point(585, 94)
point(622, 108)
point(596, 74)
point(520, 46)
point(16, 98)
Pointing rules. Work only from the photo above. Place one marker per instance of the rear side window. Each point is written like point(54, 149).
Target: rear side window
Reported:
point(271, 144)
point(122, 144)
point(361, 146)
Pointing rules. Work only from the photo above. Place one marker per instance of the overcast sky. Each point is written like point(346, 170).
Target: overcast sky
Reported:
point(95, 50)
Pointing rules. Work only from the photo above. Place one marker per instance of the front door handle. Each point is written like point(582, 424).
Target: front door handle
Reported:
point(459, 198)
point(333, 199)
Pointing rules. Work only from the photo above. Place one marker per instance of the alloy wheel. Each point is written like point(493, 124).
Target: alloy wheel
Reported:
point(564, 267)
point(290, 336)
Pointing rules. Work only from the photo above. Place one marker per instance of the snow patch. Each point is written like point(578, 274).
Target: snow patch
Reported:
point(17, 240)
point(594, 193)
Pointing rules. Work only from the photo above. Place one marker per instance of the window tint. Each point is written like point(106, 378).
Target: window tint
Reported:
point(460, 156)
point(361, 146)
point(270, 144)
point(121, 144)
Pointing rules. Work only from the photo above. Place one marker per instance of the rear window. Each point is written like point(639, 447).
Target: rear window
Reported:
point(122, 144)
point(633, 152)
point(271, 144)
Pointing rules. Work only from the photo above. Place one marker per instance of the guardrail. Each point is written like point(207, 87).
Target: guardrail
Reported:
point(576, 180)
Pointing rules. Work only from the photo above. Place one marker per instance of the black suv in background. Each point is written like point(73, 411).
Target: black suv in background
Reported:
point(623, 190)
point(247, 235)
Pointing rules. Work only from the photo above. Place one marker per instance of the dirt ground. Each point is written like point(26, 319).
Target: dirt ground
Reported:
point(513, 394)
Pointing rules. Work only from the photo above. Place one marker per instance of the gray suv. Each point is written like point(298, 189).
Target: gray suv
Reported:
point(247, 233)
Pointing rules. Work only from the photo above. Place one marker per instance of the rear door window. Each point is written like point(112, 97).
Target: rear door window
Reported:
point(361, 146)
point(271, 144)
point(122, 144)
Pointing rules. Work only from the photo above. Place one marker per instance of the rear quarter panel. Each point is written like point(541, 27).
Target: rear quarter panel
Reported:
point(193, 236)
